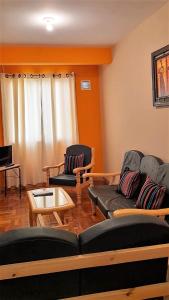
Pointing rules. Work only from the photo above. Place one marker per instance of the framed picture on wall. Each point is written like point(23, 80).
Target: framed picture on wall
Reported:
point(160, 77)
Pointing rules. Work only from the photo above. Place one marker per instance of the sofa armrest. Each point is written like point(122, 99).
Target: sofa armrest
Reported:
point(47, 169)
point(109, 176)
point(78, 170)
point(52, 167)
point(139, 211)
point(114, 174)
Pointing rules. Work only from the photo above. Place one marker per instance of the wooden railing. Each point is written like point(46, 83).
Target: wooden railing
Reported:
point(107, 258)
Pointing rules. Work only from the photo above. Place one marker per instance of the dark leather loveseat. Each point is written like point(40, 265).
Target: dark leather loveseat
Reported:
point(112, 203)
point(31, 244)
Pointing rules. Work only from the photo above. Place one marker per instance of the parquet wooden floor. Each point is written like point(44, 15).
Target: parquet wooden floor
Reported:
point(14, 212)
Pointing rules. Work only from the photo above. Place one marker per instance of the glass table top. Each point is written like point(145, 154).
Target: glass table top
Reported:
point(49, 197)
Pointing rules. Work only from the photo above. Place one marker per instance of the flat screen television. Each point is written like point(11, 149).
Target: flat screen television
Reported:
point(5, 155)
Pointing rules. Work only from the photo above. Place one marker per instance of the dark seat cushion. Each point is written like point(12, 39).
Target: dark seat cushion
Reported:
point(34, 244)
point(101, 190)
point(121, 233)
point(117, 202)
point(64, 179)
point(108, 199)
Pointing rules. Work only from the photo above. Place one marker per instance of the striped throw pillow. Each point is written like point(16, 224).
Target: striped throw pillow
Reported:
point(151, 195)
point(72, 162)
point(129, 182)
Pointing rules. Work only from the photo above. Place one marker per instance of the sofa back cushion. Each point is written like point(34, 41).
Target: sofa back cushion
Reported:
point(149, 167)
point(79, 149)
point(121, 233)
point(33, 244)
point(72, 162)
point(163, 176)
point(132, 160)
point(163, 179)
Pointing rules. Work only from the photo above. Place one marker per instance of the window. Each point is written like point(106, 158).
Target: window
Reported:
point(39, 119)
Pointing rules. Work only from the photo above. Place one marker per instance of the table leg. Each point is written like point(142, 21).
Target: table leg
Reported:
point(71, 215)
point(32, 219)
point(20, 182)
point(5, 183)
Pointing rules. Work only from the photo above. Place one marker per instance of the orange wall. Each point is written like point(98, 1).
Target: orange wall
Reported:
point(88, 103)
point(42, 55)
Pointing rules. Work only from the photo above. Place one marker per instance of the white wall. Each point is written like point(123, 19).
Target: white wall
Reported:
point(129, 119)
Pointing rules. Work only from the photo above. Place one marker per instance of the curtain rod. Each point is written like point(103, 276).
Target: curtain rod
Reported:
point(39, 75)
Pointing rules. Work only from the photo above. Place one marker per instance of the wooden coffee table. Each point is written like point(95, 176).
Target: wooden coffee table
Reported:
point(48, 201)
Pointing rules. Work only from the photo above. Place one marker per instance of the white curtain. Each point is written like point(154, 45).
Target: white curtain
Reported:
point(39, 120)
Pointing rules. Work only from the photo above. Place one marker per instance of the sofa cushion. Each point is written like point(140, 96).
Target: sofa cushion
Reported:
point(129, 182)
point(163, 179)
point(72, 162)
point(101, 190)
point(35, 243)
point(121, 233)
point(78, 149)
point(117, 201)
point(132, 160)
point(151, 195)
point(149, 167)
point(163, 176)
point(124, 232)
point(64, 179)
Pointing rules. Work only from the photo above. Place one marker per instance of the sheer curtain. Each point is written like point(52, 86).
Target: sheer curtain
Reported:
point(39, 120)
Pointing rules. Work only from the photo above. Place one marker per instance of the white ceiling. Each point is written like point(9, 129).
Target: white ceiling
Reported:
point(78, 22)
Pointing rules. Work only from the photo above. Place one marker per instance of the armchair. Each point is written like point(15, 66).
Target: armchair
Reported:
point(73, 178)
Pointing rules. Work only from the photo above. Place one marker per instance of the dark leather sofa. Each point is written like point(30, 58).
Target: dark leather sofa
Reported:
point(29, 244)
point(109, 200)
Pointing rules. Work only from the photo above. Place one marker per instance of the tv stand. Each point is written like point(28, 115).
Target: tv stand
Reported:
point(11, 166)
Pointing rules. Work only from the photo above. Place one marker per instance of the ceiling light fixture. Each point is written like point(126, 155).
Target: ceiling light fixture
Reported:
point(49, 23)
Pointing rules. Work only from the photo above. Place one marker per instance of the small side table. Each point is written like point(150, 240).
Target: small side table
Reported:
point(5, 169)
point(39, 205)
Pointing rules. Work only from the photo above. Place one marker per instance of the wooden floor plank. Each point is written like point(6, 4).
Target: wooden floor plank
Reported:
point(14, 212)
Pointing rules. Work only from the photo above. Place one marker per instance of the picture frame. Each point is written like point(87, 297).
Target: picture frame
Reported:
point(160, 77)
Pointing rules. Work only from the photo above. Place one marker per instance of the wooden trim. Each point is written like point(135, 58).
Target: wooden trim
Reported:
point(139, 211)
point(137, 293)
point(83, 261)
point(40, 220)
point(77, 170)
point(92, 158)
point(52, 167)
point(56, 216)
point(63, 226)
point(101, 174)
point(4, 168)
point(47, 169)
